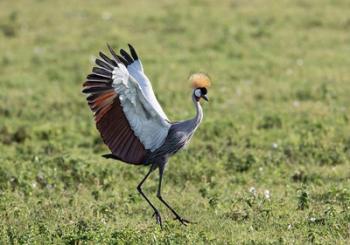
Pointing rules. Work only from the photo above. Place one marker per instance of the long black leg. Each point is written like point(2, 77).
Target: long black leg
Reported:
point(159, 195)
point(156, 212)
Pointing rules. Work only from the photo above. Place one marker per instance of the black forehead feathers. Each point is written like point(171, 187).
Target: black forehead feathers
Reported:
point(203, 90)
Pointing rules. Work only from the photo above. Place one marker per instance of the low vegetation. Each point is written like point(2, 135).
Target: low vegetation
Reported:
point(268, 165)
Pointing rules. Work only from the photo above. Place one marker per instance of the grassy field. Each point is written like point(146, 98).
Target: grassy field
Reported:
point(268, 165)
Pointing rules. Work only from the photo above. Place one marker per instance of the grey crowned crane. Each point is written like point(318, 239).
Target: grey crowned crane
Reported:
point(130, 119)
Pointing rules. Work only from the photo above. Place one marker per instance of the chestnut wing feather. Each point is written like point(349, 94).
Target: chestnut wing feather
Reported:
point(109, 116)
point(122, 134)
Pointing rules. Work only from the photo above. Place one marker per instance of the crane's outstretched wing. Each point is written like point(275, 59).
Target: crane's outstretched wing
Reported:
point(128, 122)
point(135, 69)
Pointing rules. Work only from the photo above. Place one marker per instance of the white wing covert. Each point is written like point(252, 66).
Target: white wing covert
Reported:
point(134, 66)
point(140, 106)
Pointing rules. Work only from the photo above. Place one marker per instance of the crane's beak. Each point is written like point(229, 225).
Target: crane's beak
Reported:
point(204, 96)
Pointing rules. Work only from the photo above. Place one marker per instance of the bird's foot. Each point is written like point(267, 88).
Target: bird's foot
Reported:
point(158, 218)
point(183, 221)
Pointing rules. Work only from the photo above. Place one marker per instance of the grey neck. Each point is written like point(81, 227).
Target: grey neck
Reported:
point(199, 112)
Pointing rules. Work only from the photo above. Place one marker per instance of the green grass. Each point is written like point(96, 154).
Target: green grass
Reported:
point(268, 165)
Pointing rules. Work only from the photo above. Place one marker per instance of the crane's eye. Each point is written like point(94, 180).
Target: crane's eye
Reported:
point(198, 93)
point(203, 91)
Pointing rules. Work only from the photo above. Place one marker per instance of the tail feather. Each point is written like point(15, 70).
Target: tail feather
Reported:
point(111, 156)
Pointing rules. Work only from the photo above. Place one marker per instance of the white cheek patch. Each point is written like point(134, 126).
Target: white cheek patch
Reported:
point(197, 93)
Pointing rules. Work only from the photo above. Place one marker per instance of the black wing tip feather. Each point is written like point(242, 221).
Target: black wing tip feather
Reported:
point(89, 90)
point(115, 56)
point(133, 52)
point(126, 56)
point(102, 71)
point(98, 77)
point(108, 60)
point(104, 64)
point(122, 60)
point(109, 47)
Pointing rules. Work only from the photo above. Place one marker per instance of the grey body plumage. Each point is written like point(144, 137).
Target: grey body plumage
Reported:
point(180, 133)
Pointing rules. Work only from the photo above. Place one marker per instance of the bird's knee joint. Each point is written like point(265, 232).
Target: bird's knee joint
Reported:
point(159, 196)
point(139, 188)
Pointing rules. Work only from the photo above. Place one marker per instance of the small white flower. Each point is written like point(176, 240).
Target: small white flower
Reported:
point(300, 62)
point(274, 145)
point(34, 185)
point(289, 226)
point(312, 219)
point(38, 50)
point(296, 103)
point(289, 72)
point(106, 15)
point(238, 92)
point(252, 190)
point(267, 194)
